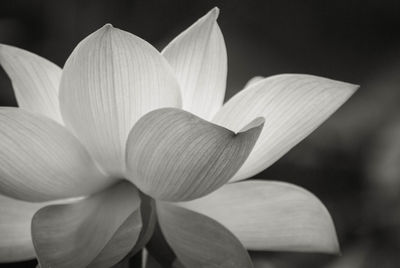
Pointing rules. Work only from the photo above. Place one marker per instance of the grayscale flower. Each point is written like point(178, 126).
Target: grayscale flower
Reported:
point(122, 122)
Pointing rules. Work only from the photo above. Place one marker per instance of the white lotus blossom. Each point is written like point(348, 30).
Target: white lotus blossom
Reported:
point(120, 117)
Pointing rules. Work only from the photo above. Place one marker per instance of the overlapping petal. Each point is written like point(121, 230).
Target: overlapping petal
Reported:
point(40, 160)
point(15, 225)
point(35, 80)
point(199, 241)
point(95, 232)
point(174, 155)
point(270, 216)
point(293, 106)
point(198, 57)
point(110, 80)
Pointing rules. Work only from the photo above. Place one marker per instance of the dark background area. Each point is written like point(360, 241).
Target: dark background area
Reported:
point(351, 162)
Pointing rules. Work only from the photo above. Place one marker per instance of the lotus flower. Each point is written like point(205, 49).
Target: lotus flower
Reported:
point(122, 122)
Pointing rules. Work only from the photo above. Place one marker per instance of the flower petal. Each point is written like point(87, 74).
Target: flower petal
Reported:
point(199, 241)
point(149, 220)
point(40, 160)
point(110, 80)
point(174, 155)
point(253, 80)
point(15, 222)
point(95, 232)
point(198, 57)
point(35, 80)
point(293, 105)
point(271, 216)
point(15, 227)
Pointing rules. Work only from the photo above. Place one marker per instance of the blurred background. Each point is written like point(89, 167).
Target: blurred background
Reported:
point(352, 162)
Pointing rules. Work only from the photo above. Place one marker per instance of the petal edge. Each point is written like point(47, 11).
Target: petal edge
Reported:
point(270, 215)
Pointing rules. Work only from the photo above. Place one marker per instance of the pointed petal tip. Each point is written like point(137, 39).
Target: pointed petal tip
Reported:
point(258, 122)
point(214, 12)
point(198, 58)
point(107, 29)
point(305, 100)
point(342, 84)
point(354, 87)
point(222, 154)
point(347, 86)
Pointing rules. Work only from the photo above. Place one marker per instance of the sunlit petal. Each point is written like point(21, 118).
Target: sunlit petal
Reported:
point(35, 80)
point(95, 232)
point(267, 215)
point(199, 241)
point(40, 160)
point(110, 80)
point(293, 106)
point(174, 155)
point(198, 57)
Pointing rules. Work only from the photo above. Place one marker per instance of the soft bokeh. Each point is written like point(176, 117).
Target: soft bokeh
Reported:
point(351, 162)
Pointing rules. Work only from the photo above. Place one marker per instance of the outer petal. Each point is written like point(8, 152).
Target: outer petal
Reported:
point(110, 80)
point(15, 222)
point(174, 155)
point(95, 232)
point(293, 106)
point(198, 57)
point(40, 160)
point(35, 80)
point(199, 241)
point(271, 216)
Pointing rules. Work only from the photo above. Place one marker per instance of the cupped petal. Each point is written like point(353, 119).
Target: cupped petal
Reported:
point(15, 221)
point(40, 160)
point(293, 106)
point(98, 231)
point(199, 241)
point(35, 81)
point(174, 155)
point(110, 80)
point(198, 57)
point(267, 215)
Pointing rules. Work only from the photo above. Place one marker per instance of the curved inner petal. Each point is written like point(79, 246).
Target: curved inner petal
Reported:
point(110, 80)
point(98, 231)
point(174, 155)
point(199, 241)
